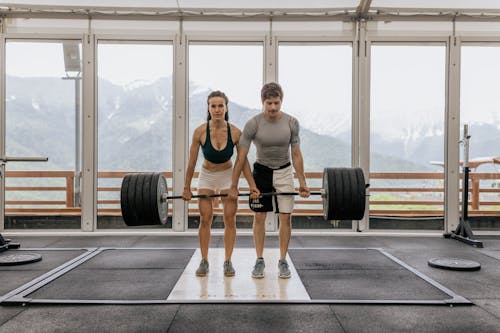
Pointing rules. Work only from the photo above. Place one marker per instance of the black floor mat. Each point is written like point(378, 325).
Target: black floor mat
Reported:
point(18, 275)
point(121, 275)
point(364, 276)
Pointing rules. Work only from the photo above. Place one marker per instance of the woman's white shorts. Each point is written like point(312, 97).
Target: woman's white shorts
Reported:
point(215, 180)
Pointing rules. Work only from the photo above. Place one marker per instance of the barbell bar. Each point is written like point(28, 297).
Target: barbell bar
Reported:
point(223, 195)
point(144, 196)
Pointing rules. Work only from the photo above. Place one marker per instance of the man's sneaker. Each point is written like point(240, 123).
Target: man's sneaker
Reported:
point(228, 268)
point(258, 269)
point(203, 268)
point(283, 269)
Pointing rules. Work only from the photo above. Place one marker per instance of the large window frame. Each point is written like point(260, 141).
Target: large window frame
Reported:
point(471, 40)
point(450, 156)
point(361, 37)
point(138, 40)
point(35, 38)
point(222, 40)
point(345, 40)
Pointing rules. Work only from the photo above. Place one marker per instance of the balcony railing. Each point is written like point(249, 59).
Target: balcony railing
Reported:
point(412, 199)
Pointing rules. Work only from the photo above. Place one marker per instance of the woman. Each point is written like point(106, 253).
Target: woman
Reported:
point(217, 139)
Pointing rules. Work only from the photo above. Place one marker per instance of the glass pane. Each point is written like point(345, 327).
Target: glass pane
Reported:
point(317, 84)
point(480, 109)
point(237, 70)
point(134, 119)
point(43, 92)
point(407, 133)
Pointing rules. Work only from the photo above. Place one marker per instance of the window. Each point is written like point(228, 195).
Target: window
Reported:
point(42, 120)
point(480, 109)
point(235, 69)
point(134, 118)
point(407, 130)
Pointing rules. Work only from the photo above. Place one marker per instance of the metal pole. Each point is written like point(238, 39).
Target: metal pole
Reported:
point(77, 142)
point(466, 170)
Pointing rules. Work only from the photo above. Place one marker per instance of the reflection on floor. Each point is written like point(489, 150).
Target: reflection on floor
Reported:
point(215, 286)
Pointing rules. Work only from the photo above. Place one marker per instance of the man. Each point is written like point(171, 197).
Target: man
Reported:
point(274, 134)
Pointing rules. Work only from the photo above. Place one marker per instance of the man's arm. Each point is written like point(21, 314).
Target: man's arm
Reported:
point(241, 164)
point(298, 165)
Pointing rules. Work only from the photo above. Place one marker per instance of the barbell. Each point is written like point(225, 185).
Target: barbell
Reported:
point(144, 196)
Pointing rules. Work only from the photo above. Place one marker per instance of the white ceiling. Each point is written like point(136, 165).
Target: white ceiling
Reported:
point(263, 7)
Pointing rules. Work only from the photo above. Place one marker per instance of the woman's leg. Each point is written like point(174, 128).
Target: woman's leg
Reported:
point(206, 214)
point(230, 207)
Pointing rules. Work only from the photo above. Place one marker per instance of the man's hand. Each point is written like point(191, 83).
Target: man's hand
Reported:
point(254, 192)
point(304, 191)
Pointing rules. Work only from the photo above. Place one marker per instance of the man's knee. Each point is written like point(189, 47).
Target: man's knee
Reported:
point(260, 217)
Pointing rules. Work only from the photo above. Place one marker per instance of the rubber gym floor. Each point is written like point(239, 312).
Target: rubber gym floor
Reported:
point(340, 283)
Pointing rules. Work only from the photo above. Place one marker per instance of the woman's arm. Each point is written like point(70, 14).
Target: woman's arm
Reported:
point(193, 157)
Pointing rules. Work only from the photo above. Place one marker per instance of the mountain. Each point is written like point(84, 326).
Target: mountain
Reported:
point(135, 131)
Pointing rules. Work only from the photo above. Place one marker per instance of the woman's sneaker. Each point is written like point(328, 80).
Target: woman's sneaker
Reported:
point(258, 269)
point(228, 268)
point(203, 268)
point(283, 269)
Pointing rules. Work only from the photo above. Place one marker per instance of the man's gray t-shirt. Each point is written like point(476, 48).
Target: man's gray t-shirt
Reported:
point(272, 139)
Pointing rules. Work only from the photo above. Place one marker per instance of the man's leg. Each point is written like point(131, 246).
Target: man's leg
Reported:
point(259, 232)
point(285, 232)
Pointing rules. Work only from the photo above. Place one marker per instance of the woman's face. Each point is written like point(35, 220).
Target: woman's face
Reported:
point(217, 108)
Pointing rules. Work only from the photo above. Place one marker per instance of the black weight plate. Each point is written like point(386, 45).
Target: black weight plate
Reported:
point(133, 219)
point(157, 189)
point(125, 206)
point(146, 197)
point(163, 205)
point(139, 201)
point(345, 194)
point(326, 196)
point(18, 258)
point(454, 264)
point(338, 194)
point(358, 194)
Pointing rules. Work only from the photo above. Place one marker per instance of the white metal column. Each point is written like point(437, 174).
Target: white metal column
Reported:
point(362, 114)
point(2, 130)
point(271, 75)
point(452, 136)
point(89, 135)
point(180, 130)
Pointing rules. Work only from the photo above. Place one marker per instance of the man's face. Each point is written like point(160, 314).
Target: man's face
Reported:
point(272, 106)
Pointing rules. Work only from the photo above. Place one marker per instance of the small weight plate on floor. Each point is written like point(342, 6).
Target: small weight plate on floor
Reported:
point(454, 264)
point(17, 258)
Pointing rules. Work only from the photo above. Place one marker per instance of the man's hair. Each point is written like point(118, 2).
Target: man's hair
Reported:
point(218, 93)
point(270, 90)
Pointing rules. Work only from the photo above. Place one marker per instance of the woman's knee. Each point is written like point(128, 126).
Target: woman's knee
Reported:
point(206, 220)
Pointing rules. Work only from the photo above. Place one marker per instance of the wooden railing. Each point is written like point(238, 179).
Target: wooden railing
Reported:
point(397, 200)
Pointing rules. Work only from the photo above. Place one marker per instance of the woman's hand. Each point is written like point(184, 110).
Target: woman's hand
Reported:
point(187, 194)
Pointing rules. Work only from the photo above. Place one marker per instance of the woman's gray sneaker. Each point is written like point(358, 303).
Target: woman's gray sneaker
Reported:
point(258, 269)
point(228, 268)
point(283, 269)
point(203, 268)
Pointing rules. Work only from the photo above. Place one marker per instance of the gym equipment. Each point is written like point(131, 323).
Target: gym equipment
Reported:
point(17, 258)
point(463, 232)
point(454, 264)
point(144, 196)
